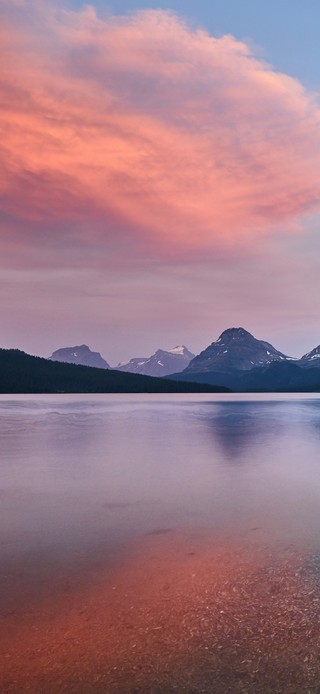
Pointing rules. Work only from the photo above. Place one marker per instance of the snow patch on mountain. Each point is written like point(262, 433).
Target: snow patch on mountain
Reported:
point(180, 349)
point(161, 363)
point(81, 355)
point(235, 350)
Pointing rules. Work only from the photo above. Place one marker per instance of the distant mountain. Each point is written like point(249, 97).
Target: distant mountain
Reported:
point(242, 363)
point(80, 355)
point(22, 373)
point(236, 350)
point(161, 363)
point(310, 359)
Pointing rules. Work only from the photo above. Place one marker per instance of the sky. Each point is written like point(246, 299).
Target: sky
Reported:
point(159, 174)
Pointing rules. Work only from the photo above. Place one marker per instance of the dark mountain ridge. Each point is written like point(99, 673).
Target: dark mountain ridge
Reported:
point(242, 363)
point(310, 359)
point(236, 349)
point(23, 373)
point(283, 377)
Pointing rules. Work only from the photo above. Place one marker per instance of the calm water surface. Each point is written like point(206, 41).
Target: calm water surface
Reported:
point(80, 470)
point(160, 544)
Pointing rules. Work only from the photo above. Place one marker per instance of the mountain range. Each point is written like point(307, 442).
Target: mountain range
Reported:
point(161, 363)
point(243, 363)
point(236, 361)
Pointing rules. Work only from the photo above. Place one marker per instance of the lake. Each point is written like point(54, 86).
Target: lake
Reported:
point(160, 543)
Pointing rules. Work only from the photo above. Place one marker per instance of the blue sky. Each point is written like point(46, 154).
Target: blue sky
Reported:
point(284, 33)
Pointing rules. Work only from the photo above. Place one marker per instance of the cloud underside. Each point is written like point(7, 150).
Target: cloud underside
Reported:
point(139, 128)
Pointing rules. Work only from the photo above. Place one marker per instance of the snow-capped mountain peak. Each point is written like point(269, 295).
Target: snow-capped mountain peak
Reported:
point(180, 349)
point(235, 349)
point(161, 363)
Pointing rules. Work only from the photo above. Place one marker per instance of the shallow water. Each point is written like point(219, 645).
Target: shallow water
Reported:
point(87, 481)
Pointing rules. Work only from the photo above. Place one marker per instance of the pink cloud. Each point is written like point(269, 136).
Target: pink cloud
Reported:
point(142, 128)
